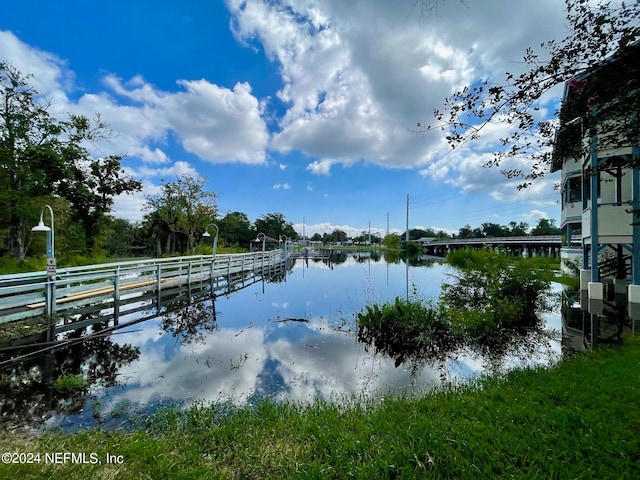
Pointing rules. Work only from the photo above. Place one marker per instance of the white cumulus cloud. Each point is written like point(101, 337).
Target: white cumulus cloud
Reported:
point(358, 76)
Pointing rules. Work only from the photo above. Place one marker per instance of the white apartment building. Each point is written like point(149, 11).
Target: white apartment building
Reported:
point(597, 148)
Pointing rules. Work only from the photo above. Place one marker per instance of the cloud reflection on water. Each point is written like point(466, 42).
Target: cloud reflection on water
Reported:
point(232, 366)
point(241, 347)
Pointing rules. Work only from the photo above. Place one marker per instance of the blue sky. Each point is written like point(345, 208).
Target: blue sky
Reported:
point(300, 107)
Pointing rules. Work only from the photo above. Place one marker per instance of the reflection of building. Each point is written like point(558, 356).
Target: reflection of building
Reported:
point(597, 149)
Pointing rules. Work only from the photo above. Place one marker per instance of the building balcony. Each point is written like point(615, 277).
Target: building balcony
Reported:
point(614, 224)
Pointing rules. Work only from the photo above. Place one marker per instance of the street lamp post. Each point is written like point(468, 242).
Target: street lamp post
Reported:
point(50, 303)
point(215, 239)
point(264, 240)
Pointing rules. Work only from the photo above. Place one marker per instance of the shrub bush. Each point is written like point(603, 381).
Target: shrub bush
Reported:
point(491, 298)
point(406, 328)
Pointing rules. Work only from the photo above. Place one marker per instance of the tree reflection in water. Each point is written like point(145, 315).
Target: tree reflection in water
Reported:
point(29, 397)
point(490, 309)
point(438, 347)
point(31, 376)
point(29, 393)
point(191, 322)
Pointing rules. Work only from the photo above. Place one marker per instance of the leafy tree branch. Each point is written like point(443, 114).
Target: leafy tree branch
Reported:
point(597, 33)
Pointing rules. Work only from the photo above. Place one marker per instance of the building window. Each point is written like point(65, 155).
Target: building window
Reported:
point(575, 189)
point(572, 235)
point(575, 234)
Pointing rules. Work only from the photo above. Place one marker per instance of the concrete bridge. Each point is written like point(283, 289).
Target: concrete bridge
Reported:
point(538, 245)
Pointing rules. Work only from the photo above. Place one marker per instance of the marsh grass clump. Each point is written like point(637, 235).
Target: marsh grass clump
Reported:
point(406, 328)
point(70, 383)
point(491, 300)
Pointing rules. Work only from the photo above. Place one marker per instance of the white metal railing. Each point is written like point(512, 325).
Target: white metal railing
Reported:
point(31, 294)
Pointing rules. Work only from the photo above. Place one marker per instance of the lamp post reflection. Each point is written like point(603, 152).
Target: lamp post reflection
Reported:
point(285, 248)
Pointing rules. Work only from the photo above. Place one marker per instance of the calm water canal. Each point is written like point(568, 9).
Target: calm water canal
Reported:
point(293, 340)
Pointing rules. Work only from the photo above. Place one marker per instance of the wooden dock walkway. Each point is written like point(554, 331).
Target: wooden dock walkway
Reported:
point(31, 295)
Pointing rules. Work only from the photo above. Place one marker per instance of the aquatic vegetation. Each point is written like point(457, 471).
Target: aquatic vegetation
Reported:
point(70, 383)
point(491, 292)
point(491, 300)
point(407, 328)
point(120, 409)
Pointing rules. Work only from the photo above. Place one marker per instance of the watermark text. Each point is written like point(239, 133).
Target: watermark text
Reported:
point(60, 458)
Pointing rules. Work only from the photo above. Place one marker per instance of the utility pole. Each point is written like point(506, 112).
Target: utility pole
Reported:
point(406, 235)
point(387, 223)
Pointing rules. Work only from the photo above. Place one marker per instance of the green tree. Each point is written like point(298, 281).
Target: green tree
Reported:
point(340, 235)
point(391, 241)
point(41, 158)
point(183, 208)
point(362, 238)
point(274, 225)
point(28, 154)
point(90, 185)
point(120, 237)
point(418, 233)
point(546, 227)
point(518, 229)
point(477, 233)
point(235, 228)
point(492, 230)
point(465, 232)
point(155, 228)
point(412, 248)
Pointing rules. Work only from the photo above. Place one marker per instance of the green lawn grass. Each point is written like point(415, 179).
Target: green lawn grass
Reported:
point(579, 419)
